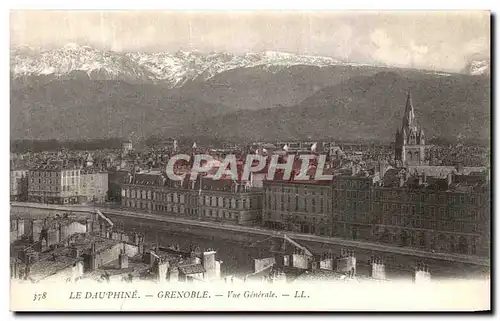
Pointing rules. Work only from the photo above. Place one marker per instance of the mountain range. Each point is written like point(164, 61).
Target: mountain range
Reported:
point(78, 92)
point(170, 69)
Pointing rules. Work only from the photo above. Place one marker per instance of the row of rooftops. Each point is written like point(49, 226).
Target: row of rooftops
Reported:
point(59, 168)
point(392, 178)
point(202, 182)
point(67, 253)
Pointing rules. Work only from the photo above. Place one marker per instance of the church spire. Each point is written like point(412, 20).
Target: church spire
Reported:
point(409, 116)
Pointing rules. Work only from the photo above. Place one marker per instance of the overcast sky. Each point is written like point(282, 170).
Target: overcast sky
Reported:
point(437, 40)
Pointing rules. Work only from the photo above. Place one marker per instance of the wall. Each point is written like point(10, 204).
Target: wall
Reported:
point(36, 229)
point(260, 264)
point(326, 264)
point(422, 277)
point(108, 255)
point(378, 271)
point(52, 237)
point(346, 264)
point(69, 272)
point(209, 265)
point(72, 228)
point(131, 250)
point(13, 236)
point(300, 261)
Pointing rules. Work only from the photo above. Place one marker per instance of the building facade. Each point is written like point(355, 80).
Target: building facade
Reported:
point(94, 185)
point(303, 207)
point(204, 199)
point(352, 205)
point(53, 185)
point(60, 185)
point(440, 215)
point(18, 185)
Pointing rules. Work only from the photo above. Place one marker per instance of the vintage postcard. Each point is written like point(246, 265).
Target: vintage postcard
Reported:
point(250, 161)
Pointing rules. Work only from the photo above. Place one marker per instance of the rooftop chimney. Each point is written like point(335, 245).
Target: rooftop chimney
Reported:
point(421, 274)
point(377, 268)
point(209, 264)
point(76, 252)
point(346, 263)
point(123, 259)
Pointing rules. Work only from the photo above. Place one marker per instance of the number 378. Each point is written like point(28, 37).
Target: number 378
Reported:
point(39, 296)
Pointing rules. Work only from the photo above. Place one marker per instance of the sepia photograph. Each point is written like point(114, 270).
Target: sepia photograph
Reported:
point(250, 160)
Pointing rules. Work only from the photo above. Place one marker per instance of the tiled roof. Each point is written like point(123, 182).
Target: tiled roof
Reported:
point(191, 269)
point(148, 179)
point(49, 266)
point(259, 274)
point(319, 275)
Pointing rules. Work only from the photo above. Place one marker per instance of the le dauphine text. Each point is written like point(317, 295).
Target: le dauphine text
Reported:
point(174, 294)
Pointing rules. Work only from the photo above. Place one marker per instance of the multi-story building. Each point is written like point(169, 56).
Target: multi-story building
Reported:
point(352, 203)
point(434, 214)
point(54, 184)
point(433, 208)
point(298, 206)
point(204, 198)
point(115, 179)
point(18, 184)
point(94, 185)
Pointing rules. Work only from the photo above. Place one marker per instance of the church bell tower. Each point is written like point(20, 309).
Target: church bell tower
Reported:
point(410, 140)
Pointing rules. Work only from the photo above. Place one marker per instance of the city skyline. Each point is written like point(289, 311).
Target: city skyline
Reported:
point(196, 155)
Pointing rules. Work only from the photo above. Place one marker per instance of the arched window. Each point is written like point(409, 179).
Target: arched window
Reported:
point(412, 138)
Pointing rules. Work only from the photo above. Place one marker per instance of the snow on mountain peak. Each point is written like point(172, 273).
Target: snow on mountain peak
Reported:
point(478, 67)
point(175, 69)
